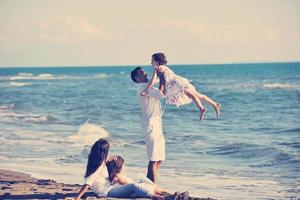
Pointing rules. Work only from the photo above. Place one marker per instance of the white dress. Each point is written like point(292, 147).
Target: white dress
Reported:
point(175, 86)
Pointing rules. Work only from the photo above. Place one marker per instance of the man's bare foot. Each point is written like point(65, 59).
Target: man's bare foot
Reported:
point(217, 109)
point(203, 111)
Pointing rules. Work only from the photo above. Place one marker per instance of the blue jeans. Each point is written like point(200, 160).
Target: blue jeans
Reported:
point(127, 190)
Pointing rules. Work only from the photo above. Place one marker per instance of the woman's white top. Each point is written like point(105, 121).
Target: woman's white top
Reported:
point(99, 181)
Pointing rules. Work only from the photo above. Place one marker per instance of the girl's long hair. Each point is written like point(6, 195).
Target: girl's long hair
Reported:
point(97, 156)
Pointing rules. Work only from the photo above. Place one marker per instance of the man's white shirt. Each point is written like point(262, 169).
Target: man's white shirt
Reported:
point(150, 104)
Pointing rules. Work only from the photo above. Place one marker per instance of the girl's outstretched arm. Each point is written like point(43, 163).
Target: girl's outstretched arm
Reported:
point(150, 83)
point(83, 189)
point(123, 180)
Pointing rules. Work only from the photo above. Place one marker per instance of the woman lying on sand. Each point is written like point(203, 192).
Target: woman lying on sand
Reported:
point(114, 184)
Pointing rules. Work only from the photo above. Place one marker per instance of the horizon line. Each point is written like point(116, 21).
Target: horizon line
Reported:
point(144, 65)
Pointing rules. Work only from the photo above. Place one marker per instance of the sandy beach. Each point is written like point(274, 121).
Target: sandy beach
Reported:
point(17, 185)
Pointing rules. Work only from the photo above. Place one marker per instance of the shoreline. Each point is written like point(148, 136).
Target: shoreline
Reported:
point(18, 185)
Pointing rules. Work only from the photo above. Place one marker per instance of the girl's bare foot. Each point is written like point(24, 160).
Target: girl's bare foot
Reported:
point(217, 109)
point(203, 111)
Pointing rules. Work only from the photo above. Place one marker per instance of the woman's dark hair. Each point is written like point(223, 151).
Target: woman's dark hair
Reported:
point(114, 167)
point(97, 156)
point(134, 73)
point(160, 58)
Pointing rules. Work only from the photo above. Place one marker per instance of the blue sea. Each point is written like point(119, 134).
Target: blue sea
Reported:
point(50, 117)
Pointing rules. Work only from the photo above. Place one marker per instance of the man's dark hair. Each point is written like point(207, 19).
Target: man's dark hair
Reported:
point(160, 58)
point(134, 73)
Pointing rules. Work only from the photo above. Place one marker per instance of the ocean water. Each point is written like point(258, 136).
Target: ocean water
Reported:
point(50, 117)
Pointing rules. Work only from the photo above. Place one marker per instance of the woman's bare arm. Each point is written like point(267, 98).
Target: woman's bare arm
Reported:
point(83, 189)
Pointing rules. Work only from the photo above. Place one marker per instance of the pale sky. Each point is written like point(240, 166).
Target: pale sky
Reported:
point(128, 32)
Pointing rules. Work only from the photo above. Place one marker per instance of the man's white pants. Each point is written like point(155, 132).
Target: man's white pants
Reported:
point(154, 138)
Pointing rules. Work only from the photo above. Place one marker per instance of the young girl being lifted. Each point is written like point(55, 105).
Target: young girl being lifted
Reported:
point(177, 90)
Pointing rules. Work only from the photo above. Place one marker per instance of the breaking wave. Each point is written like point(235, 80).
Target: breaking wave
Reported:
point(47, 76)
point(87, 134)
point(282, 86)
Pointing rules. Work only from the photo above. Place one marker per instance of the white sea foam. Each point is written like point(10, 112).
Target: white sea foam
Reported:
point(47, 76)
point(37, 118)
point(19, 84)
point(28, 134)
point(245, 86)
point(282, 86)
point(13, 84)
point(8, 114)
point(87, 135)
point(30, 143)
point(7, 106)
point(30, 76)
point(101, 75)
point(26, 74)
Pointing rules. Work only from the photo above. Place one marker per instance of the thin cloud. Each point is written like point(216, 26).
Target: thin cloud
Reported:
point(64, 30)
point(67, 29)
point(212, 33)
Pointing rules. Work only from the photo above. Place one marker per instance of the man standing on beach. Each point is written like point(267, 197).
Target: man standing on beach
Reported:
point(151, 122)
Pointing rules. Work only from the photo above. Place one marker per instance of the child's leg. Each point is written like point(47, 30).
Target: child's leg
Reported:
point(196, 99)
point(216, 106)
